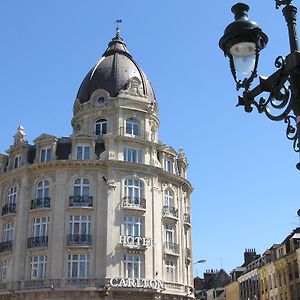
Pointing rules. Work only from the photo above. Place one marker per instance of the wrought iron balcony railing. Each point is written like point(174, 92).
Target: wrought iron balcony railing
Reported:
point(172, 247)
point(79, 240)
point(37, 242)
point(81, 201)
point(170, 211)
point(6, 246)
point(37, 203)
point(134, 202)
point(187, 218)
point(8, 209)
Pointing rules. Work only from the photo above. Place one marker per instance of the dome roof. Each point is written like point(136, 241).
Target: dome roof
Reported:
point(112, 73)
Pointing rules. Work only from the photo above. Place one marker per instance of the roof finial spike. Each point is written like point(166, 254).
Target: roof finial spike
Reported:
point(117, 22)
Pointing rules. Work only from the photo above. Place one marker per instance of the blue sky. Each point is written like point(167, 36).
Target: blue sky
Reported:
point(241, 165)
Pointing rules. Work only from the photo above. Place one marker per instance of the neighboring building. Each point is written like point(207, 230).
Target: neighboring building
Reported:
point(105, 212)
point(211, 286)
point(272, 276)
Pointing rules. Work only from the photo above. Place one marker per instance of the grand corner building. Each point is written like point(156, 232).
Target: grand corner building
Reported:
point(105, 212)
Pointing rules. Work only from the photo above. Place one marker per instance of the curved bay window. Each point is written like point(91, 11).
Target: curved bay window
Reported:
point(10, 202)
point(81, 193)
point(132, 127)
point(101, 127)
point(133, 194)
point(42, 199)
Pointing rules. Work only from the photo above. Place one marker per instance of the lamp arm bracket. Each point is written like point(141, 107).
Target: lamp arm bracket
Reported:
point(283, 94)
point(282, 2)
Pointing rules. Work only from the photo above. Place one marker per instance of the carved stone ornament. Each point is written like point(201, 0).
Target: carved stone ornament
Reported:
point(133, 87)
point(19, 137)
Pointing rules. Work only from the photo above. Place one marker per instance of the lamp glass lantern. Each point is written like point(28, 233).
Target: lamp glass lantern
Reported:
point(242, 42)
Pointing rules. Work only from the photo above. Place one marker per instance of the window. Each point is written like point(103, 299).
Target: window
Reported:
point(80, 225)
point(83, 152)
point(134, 266)
point(167, 165)
point(101, 127)
point(81, 187)
point(133, 189)
point(133, 226)
point(11, 196)
point(42, 190)
point(169, 198)
point(38, 266)
point(170, 237)
point(4, 265)
point(132, 127)
point(78, 265)
point(45, 154)
point(8, 232)
point(170, 269)
point(40, 227)
point(17, 161)
point(132, 155)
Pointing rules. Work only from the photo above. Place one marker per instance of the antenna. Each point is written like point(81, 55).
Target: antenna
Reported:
point(298, 213)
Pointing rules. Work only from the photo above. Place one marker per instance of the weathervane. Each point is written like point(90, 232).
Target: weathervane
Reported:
point(117, 28)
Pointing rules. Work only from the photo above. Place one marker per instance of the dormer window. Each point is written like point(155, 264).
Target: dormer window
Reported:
point(101, 127)
point(168, 165)
point(83, 152)
point(132, 127)
point(45, 154)
point(17, 161)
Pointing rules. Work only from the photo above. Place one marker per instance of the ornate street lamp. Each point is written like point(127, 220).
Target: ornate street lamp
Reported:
point(278, 96)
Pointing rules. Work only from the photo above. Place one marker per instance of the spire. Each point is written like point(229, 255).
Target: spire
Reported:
point(117, 44)
point(117, 22)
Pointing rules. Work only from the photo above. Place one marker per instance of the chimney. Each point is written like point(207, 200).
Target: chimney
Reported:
point(249, 256)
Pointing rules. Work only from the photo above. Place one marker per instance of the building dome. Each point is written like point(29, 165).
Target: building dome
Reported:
point(113, 72)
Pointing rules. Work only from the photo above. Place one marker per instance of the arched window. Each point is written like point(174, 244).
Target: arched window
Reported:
point(169, 198)
point(101, 127)
point(42, 189)
point(81, 187)
point(132, 127)
point(11, 195)
point(133, 189)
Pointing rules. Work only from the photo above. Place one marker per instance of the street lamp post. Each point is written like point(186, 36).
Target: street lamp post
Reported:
point(277, 96)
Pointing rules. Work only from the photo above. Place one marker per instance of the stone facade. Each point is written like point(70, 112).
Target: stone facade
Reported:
point(103, 213)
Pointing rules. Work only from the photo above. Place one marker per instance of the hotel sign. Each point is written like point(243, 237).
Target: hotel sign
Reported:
point(137, 283)
point(134, 241)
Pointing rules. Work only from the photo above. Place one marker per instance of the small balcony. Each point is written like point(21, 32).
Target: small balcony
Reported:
point(6, 246)
point(134, 203)
point(187, 218)
point(81, 201)
point(40, 203)
point(9, 209)
point(172, 248)
point(170, 211)
point(37, 242)
point(75, 240)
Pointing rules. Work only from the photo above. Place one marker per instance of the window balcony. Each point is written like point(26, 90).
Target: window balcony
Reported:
point(171, 248)
point(81, 201)
point(40, 203)
point(75, 240)
point(187, 218)
point(170, 211)
point(9, 209)
point(37, 242)
point(134, 203)
point(6, 246)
